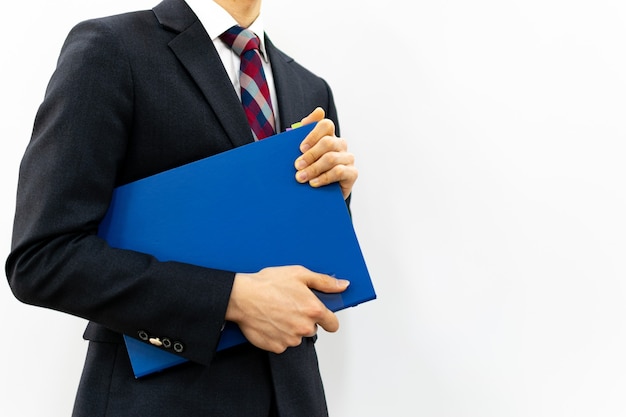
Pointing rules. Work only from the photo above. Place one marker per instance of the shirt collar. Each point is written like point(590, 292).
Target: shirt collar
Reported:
point(216, 21)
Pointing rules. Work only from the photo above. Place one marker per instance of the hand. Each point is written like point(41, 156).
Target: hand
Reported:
point(325, 158)
point(275, 307)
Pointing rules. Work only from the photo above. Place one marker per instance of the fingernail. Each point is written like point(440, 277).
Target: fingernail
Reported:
point(301, 176)
point(304, 147)
point(300, 164)
point(343, 283)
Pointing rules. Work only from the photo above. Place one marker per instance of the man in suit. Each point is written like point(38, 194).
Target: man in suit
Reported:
point(134, 95)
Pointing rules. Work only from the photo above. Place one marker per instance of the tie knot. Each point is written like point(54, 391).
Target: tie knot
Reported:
point(240, 40)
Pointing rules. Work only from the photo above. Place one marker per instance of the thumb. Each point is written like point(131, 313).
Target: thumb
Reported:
point(326, 283)
point(315, 116)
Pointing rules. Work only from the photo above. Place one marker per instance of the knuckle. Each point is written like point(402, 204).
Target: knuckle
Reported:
point(294, 341)
point(331, 158)
point(340, 171)
point(315, 310)
point(310, 156)
point(278, 349)
point(322, 179)
point(313, 171)
point(305, 330)
point(327, 124)
point(298, 268)
point(343, 144)
point(328, 142)
point(355, 173)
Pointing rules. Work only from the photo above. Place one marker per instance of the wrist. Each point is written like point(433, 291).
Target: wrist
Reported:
point(234, 310)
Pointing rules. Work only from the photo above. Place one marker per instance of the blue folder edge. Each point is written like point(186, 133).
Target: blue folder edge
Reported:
point(148, 216)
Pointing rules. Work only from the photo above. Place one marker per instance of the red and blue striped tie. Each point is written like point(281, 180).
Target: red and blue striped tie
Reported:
point(255, 93)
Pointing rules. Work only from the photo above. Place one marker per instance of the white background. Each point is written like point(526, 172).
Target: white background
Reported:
point(490, 137)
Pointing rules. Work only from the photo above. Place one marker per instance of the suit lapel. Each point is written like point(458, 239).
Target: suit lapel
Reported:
point(289, 90)
point(194, 49)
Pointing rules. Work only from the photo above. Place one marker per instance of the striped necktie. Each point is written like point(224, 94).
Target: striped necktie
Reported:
point(255, 93)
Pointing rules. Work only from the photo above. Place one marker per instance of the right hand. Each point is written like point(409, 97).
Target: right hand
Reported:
point(275, 307)
point(325, 158)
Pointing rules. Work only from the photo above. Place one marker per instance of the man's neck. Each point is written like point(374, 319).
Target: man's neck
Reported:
point(243, 11)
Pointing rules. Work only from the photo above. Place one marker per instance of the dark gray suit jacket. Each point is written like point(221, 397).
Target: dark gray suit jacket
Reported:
point(134, 95)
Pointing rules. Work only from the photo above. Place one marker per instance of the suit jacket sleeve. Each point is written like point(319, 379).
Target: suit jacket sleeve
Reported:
point(78, 148)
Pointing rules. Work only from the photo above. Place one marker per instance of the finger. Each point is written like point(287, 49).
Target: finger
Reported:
point(313, 332)
point(318, 148)
point(310, 329)
point(315, 116)
point(329, 322)
point(324, 127)
point(346, 176)
point(325, 283)
point(336, 162)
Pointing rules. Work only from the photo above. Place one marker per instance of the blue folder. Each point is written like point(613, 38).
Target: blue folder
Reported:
point(240, 210)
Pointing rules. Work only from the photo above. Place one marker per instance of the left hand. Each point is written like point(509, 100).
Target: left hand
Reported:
point(325, 158)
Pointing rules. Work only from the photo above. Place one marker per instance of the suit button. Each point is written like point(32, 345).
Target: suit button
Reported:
point(178, 347)
point(143, 335)
point(167, 343)
point(156, 341)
